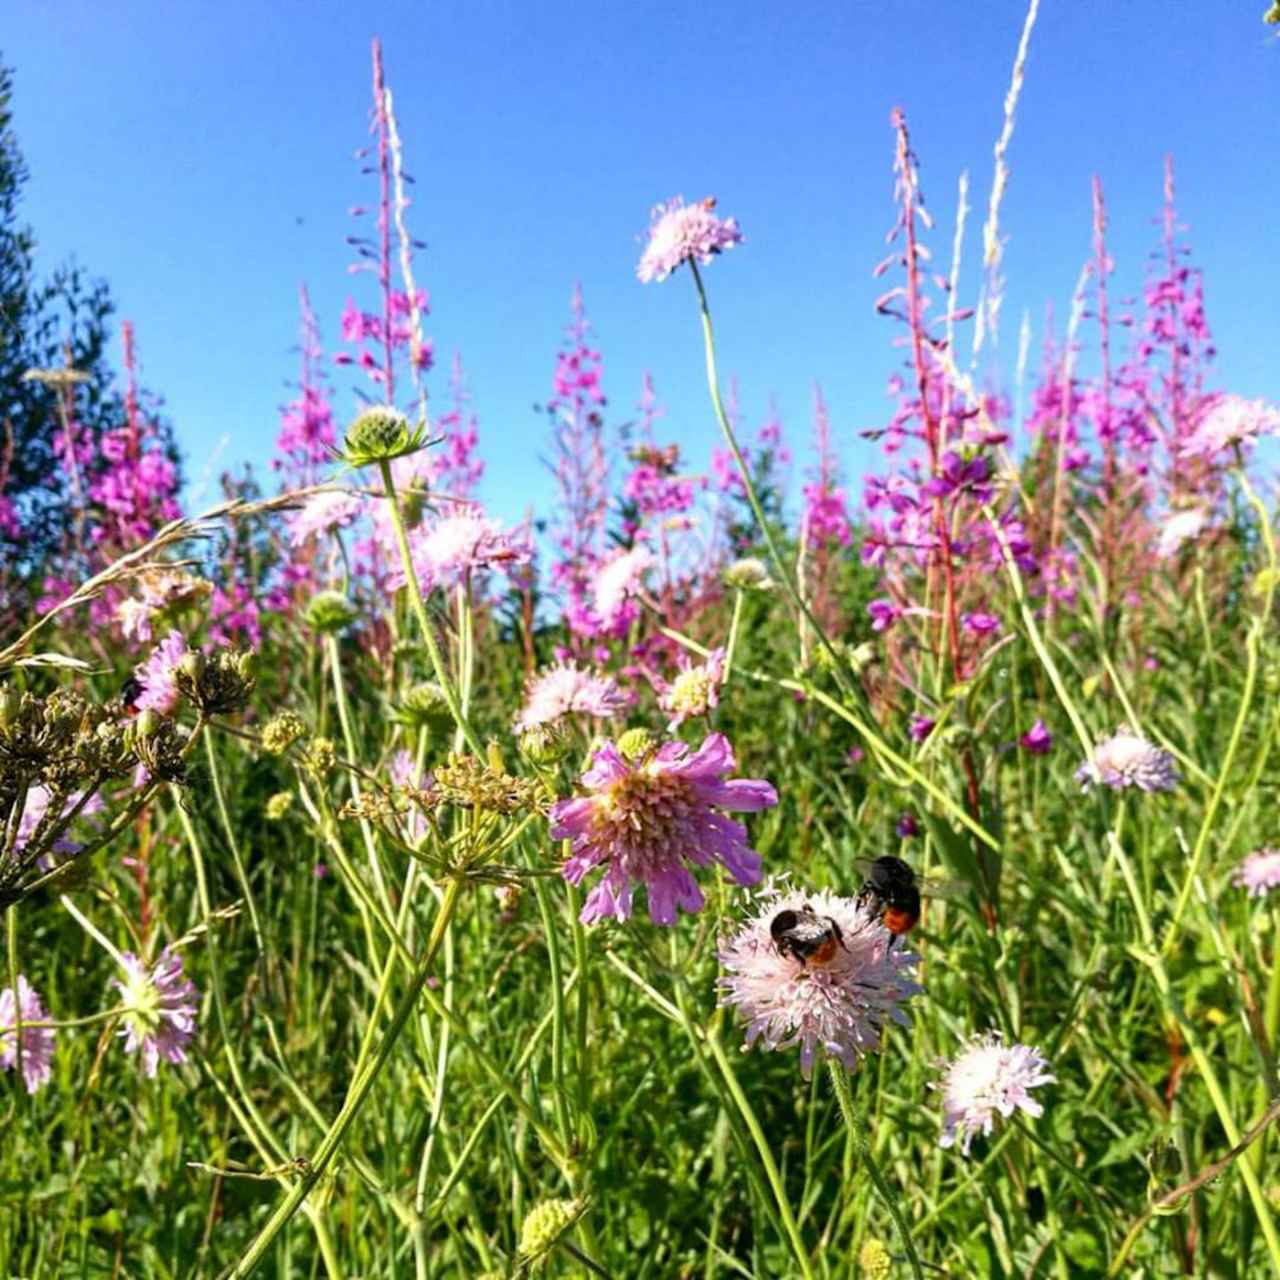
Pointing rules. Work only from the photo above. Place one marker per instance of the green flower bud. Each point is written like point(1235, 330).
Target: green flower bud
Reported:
point(147, 725)
point(424, 707)
point(380, 434)
point(329, 612)
point(748, 574)
point(544, 744)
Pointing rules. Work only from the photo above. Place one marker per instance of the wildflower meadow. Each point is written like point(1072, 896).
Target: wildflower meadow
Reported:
point(738, 867)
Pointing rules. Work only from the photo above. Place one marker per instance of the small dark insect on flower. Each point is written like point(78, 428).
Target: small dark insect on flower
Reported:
point(806, 936)
point(130, 692)
point(891, 889)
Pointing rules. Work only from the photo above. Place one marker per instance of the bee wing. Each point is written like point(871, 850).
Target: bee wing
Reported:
point(942, 887)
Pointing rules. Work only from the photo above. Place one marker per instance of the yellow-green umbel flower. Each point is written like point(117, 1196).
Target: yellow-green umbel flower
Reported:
point(544, 1224)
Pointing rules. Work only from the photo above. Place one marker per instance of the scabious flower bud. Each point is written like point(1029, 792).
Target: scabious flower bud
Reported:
point(544, 1224)
point(191, 667)
point(380, 434)
point(9, 704)
point(544, 744)
point(282, 731)
point(329, 612)
point(148, 723)
point(279, 805)
point(748, 574)
point(425, 707)
point(635, 744)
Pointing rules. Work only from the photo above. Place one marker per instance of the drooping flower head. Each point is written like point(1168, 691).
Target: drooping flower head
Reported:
point(987, 1076)
point(1259, 872)
point(1127, 759)
point(695, 691)
point(158, 675)
point(680, 232)
point(1178, 528)
point(566, 689)
point(650, 814)
point(159, 1009)
point(37, 1042)
point(839, 1006)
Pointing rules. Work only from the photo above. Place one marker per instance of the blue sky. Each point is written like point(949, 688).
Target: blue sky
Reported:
point(200, 157)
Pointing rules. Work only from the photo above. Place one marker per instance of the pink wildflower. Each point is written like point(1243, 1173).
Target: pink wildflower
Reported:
point(1127, 759)
point(646, 819)
point(989, 1077)
point(839, 1006)
point(159, 1009)
point(1259, 872)
point(568, 689)
point(1038, 740)
point(695, 691)
point(157, 675)
point(320, 513)
point(37, 1042)
point(468, 542)
point(1230, 420)
point(681, 232)
point(921, 727)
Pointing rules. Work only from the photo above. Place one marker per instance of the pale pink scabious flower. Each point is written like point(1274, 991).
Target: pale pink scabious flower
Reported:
point(447, 551)
point(321, 513)
point(1127, 759)
point(1230, 420)
point(840, 1007)
point(680, 232)
point(1179, 527)
point(1259, 872)
point(37, 1042)
point(567, 689)
point(618, 581)
point(646, 820)
point(158, 675)
point(985, 1077)
point(695, 691)
point(159, 1009)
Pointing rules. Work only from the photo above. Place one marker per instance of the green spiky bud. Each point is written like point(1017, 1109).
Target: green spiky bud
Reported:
point(380, 434)
point(748, 574)
point(329, 612)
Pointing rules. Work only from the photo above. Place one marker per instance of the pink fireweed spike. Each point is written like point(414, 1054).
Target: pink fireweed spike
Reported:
point(647, 819)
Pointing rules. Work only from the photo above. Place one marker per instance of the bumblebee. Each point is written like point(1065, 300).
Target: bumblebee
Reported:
point(894, 894)
point(127, 698)
point(807, 937)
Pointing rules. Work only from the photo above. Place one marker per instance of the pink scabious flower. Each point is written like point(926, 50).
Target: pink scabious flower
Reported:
point(1230, 420)
point(445, 552)
point(695, 691)
point(985, 1077)
point(37, 1042)
point(566, 689)
point(159, 1009)
point(157, 675)
point(617, 583)
point(320, 513)
point(646, 819)
point(1127, 759)
point(1179, 527)
point(1259, 873)
point(839, 1005)
point(680, 232)
point(1038, 740)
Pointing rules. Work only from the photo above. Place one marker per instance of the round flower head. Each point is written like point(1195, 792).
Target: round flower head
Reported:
point(158, 675)
point(1230, 420)
point(1180, 527)
point(695, 691)
point(647, 815)
point(567, 688)
point(681, 232)
point(37, 1042)
point(159, 1009)
point(837, 998)
point(1127, 759)
point(332, 509)
point(985, 1077)
point(1259, 872)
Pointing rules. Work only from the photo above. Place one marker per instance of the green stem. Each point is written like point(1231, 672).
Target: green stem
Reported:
point(858, 1133)
point(732, 643)
point(11, 948)
point(356, 1095)
point(753, 500)
point(420, 612)
point(229, 831)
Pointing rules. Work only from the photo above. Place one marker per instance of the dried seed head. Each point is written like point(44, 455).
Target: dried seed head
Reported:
point(218, 685)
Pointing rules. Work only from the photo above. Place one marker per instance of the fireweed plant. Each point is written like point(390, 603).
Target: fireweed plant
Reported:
point(392, 891)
